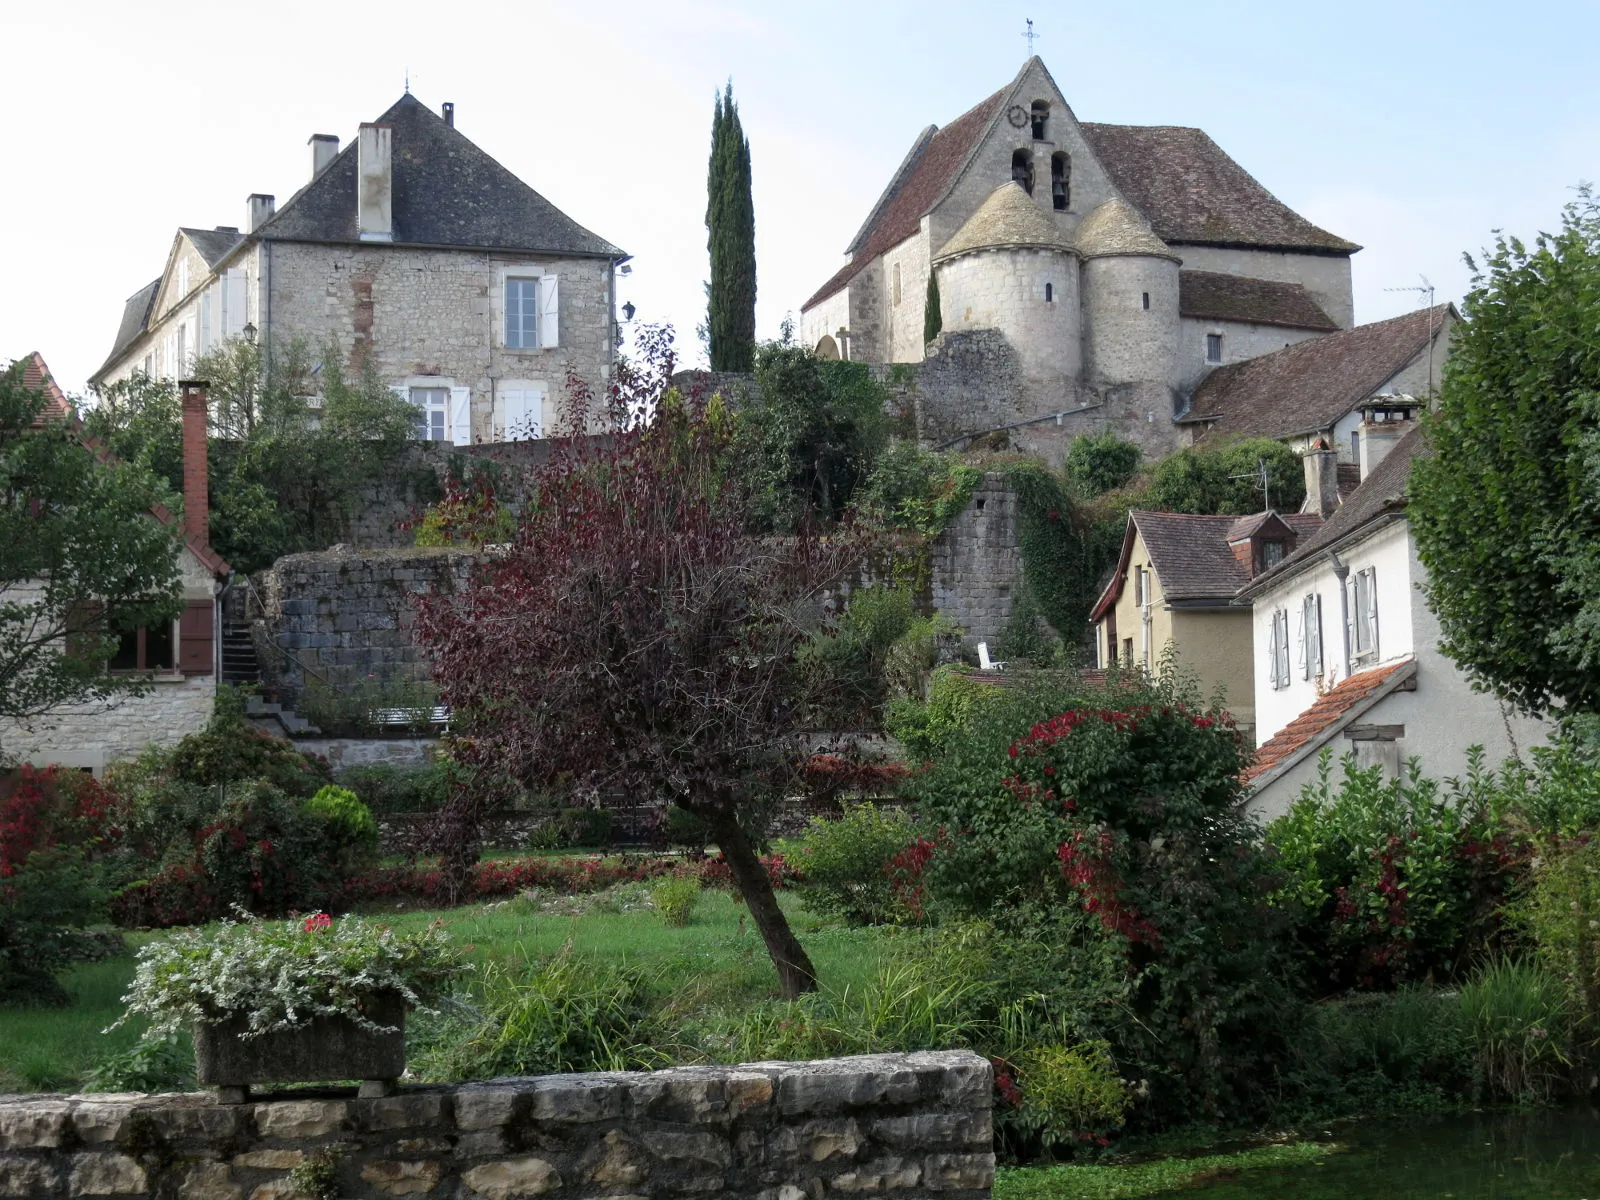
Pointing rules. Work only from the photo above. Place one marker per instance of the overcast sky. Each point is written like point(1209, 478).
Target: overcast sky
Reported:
point(1412, 128)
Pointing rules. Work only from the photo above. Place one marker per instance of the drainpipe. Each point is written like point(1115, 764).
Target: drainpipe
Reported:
point(1341, 572)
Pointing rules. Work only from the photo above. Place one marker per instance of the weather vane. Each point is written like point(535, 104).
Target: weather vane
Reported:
point(1031, 36)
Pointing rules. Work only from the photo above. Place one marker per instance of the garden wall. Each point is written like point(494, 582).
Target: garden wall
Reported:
point(906, 1126)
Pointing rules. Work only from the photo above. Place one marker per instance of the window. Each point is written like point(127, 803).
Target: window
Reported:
point(1213, 347)
point(1364, 613)
point(524, 409)
point(146, 649)
point(183, 349)
point(1355, 445)
point(1144, 299)
point(1271, 555)
point(1041, 119)
point(433, 413)
point(897, 283)
point(1049, 293)
point(1127, 652)
point(1311, 636)
point(1022, 169)
point(183, 278)
point(1278, 650)
point(1060, 181)
point(1139, 596)
point(522, 313)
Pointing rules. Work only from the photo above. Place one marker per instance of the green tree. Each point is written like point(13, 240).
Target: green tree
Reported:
point(84, 559)
point(932, 312)
point(1226, 479)
point(1101, 462)
point(731, 225)
point(1506, 510)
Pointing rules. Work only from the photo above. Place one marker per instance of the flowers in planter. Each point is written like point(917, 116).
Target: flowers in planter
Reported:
point(283, 974)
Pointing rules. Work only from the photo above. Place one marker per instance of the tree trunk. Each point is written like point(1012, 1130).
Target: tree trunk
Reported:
point(795, 972)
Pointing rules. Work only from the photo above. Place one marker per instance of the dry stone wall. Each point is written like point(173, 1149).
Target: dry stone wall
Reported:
point(905, 1126)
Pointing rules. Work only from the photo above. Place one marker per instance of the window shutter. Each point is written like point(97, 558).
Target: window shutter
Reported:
point(233, 303)
point(1372, 610)
point(524, 414)
point(202, 327)
point(1313, 636)
point(461, 416)
point(549, 311)
point(195, 634)
point(1272, 652)
point(1302, 653)
point(1283, 648)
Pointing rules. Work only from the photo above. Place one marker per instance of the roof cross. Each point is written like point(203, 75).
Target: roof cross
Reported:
point(1031, 36)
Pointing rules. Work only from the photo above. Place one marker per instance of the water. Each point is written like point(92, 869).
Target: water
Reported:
point(1488, 1156)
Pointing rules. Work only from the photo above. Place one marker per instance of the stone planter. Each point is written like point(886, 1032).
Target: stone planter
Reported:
point(328, 1048)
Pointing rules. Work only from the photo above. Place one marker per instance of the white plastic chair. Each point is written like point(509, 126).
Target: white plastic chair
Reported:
point(985, 662)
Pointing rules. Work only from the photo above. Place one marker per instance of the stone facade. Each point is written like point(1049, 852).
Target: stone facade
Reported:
point(908, 1126)
point(977, 562)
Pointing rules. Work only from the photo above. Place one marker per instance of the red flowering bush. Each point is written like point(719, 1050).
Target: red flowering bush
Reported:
point(42, 808)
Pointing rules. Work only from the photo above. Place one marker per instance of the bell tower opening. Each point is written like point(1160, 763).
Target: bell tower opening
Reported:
point(1041, 120)
point(1060, 181)
point(1022, 169)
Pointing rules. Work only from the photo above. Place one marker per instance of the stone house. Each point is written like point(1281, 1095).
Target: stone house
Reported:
point(1346, 651)
point(181, 658)
point(411, 247)
point(1089, 275)
point(1173, 594)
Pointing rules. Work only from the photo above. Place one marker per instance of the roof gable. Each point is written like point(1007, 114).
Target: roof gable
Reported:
point(135, 320)
point(446, 192)
point(1306, 387)
point(213, 245)
point(1191, 191)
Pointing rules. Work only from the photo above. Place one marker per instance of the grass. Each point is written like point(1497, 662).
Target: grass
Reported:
point(51, 1049)
point(1131, 1180)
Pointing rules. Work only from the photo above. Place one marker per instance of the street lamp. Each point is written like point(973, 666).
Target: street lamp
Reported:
point(249, 333)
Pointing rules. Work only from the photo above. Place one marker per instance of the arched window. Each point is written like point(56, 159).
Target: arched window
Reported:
point(827, 348)
point(1049, 293)
point(1041, 119)
point(1060, 181)
point(1022, 169)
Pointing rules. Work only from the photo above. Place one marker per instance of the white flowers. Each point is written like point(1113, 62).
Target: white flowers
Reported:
point(283, 974)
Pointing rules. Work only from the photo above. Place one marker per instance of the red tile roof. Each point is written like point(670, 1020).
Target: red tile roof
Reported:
point(1342, 703)
point(37, 376)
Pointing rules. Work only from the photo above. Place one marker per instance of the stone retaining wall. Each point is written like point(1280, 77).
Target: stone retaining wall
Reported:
point(904, 1126)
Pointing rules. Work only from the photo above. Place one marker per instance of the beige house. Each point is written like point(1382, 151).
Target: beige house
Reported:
point(411, 247)
point(1173, 593)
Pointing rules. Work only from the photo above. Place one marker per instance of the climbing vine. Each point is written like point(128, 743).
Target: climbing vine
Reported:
point(1059, 566)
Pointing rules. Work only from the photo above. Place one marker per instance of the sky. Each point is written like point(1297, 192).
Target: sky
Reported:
point(1415, 129)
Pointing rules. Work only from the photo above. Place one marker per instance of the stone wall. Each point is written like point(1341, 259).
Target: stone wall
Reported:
point(908, 1126)
point(977, 562)
point(366, 752)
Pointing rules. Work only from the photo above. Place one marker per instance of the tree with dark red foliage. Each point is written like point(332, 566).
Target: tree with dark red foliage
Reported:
point(634, 639)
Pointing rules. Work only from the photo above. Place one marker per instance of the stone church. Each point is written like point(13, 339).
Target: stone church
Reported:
point(1089, 276)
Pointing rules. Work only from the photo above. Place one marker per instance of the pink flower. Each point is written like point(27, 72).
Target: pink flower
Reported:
point(318, 921)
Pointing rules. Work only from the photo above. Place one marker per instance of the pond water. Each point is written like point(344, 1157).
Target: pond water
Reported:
point(1484, 1156)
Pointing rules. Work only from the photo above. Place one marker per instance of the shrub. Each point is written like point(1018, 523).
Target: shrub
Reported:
point(685, 829)
point(149, 1065)
point(230, 751)
point(1562, 912)
point(385, 788)
point(44, 902)
point(44, 808)
point(572, 828)
point(846, 864)
point(1385, 1051)
point(675, 897)
point(347, 824)
point(923, 728)
point(1101, 462)
point(1063, 1095)
point(1516, 1018)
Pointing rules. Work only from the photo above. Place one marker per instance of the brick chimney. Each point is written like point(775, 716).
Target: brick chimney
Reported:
point(1322, 479)
point(375, 183)
point(324, 149)
point(196, 498)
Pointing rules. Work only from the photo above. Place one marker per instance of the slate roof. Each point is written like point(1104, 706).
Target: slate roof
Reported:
point(1009, 217)
point(446, 192)
point(1335, 709)
point(213, 244)
point(1310, 385)
point(1381, 494)
point(135, 320)
point(1114, 228)
point(1214, 296)
point(927, 171)
point(1191, 191)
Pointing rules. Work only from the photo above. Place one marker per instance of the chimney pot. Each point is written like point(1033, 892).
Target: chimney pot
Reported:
point(324, 149)
point(375, 183)
point(262, 206)
point(196, 498)
point(1322, 479)
point(448, 110)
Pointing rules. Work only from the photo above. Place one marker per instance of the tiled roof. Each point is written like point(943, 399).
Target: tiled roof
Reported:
point(1381, 493)
point(37, 376)
point(921, 180)
point(213, 244)
point(1114, 228)
point(135, 320)
point(1349, 477)
point(1009, 217)
point(1190, 191)
point(446, 192)
point(1342, 703)
point(1219, 297)
point(1310, 385)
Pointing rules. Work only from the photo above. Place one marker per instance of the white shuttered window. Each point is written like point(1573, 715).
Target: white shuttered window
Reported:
point(1278, 650)
point(524, 413)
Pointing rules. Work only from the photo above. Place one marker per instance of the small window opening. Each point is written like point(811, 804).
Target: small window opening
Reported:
point(1049, 293)
point(1145, 298)
point(1213, 347)
point(980, 504)
point(897, 283)
point(1022, 169)
point(1041, 118)
point(1060, 181)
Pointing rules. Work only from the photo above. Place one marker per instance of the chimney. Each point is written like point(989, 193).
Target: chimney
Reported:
point(375, 184)
point(262, 207)
point(196, 500)
point(1322, 479)
point(324, 149)
point(1385, 419)
point(448, 111)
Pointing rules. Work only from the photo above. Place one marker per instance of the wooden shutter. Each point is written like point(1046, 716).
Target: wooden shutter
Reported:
point(549, 311)
point(1302, 654)
point(233, 302)
point(461, 416)
point(196, 625)
point(1272, 652)
point(1372, 610)
point(1313, 636)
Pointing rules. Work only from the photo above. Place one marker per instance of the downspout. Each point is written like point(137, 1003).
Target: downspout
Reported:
point(1341, 572)
point(266, 316)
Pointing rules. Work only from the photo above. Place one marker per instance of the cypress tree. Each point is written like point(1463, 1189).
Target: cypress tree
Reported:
point(932, 314)
point(731, 229)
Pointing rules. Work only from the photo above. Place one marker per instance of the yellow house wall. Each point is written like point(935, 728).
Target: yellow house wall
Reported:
point(1216, 646)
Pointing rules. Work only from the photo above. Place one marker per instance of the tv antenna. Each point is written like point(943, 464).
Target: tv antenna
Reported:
point(1423, 290)
point(1031, 36)
point(1263, 480)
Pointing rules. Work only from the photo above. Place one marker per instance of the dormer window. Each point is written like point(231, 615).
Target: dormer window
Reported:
point(1022, 169)
point(1269, 554)
point(1041, 120)
point(1060, 181)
